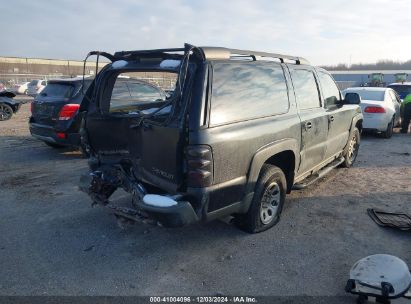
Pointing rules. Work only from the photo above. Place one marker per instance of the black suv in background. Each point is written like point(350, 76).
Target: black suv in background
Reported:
point(54, 112)
point(57, 113)
point(237, 131)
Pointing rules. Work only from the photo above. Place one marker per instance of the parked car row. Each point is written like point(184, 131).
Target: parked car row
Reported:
point(31, 88)
point(21, 88)
point(35, 87)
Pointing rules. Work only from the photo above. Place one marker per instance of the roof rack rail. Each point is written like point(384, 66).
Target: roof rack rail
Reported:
point(208, 53)
point(214, 53)
point(147, 52)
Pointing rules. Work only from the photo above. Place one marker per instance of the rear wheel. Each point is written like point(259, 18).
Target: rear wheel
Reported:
point(85, 150)
point(388, 133)
point(267, 203)
point(351, 151)
point(6, 112)
point(84, 146)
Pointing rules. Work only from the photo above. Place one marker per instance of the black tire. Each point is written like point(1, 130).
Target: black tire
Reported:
point(361, 299)
point(269, 197)
point(84, 149)
point(388, 133)
point(351, 150)
point(53, 145)
point(6, 112)
point(84, 146)
point(398, 125)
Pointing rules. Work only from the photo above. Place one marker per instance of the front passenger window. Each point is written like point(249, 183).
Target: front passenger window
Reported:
point(330, 89)
point(305, 88)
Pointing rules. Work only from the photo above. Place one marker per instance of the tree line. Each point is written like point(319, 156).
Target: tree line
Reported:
point(380, 65)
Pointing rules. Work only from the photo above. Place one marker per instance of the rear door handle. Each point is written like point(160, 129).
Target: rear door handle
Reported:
point(331, 118)
point(308, 125)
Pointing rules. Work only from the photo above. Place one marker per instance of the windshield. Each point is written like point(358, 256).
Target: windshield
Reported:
point(62, 90)
point(141, 91)
point(369, 94)
point(402, 90)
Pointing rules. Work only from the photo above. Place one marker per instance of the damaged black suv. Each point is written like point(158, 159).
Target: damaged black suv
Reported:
point(198, 133)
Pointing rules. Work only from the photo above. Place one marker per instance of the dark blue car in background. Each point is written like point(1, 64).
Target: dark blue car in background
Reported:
point(55, 111)
point(402, 89)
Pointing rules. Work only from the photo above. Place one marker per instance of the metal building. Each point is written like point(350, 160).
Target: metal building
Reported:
point(346, 79)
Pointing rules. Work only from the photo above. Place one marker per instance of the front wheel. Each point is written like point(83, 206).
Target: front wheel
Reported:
point(351, 151)
point(268, 201)
point(6, 112)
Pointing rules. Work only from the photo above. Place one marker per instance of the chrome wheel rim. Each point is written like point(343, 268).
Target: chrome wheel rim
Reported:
point(270, 203)
point(352, 148)
point(5, 112)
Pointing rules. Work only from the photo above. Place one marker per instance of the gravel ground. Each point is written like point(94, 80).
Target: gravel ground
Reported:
point(53, 243)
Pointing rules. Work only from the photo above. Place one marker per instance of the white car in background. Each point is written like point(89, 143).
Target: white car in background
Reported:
point(20, 88)
point(36, 86)
point(380, 108)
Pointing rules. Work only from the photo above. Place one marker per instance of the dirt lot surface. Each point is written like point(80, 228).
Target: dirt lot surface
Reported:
point(53, 243)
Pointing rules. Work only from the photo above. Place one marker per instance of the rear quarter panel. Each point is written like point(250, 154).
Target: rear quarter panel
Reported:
point(235, 145)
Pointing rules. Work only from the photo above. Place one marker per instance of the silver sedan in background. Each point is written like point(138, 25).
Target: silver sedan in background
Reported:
point(380, 107)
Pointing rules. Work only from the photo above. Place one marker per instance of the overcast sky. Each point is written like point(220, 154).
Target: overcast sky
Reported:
point(325, 32)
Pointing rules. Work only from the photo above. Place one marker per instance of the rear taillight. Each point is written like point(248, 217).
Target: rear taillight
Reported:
point(61, 135)
point(374, 110)
point(68, 111)
point(199, 166)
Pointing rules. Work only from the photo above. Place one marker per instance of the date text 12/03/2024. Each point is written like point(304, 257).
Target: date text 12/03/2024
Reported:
point(204, 299)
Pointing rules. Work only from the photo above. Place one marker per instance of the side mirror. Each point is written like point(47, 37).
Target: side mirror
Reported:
point(352, 98)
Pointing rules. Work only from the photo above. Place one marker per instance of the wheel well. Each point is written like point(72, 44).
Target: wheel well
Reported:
point(358, 125)
point(8, 104)
point(286, 162)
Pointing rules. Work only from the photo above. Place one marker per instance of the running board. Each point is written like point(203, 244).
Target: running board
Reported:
point(316, 176)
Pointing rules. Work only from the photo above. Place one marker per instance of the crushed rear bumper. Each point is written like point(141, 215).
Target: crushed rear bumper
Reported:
point(175, 213)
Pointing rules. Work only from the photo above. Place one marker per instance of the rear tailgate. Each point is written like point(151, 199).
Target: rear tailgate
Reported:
point(48, 104)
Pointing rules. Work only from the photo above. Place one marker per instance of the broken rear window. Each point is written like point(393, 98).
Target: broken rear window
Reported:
point(141, 91)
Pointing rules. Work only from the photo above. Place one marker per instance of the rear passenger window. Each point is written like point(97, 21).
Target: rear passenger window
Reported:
point(305, 88)
point(245, 91)
point(329, 88)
